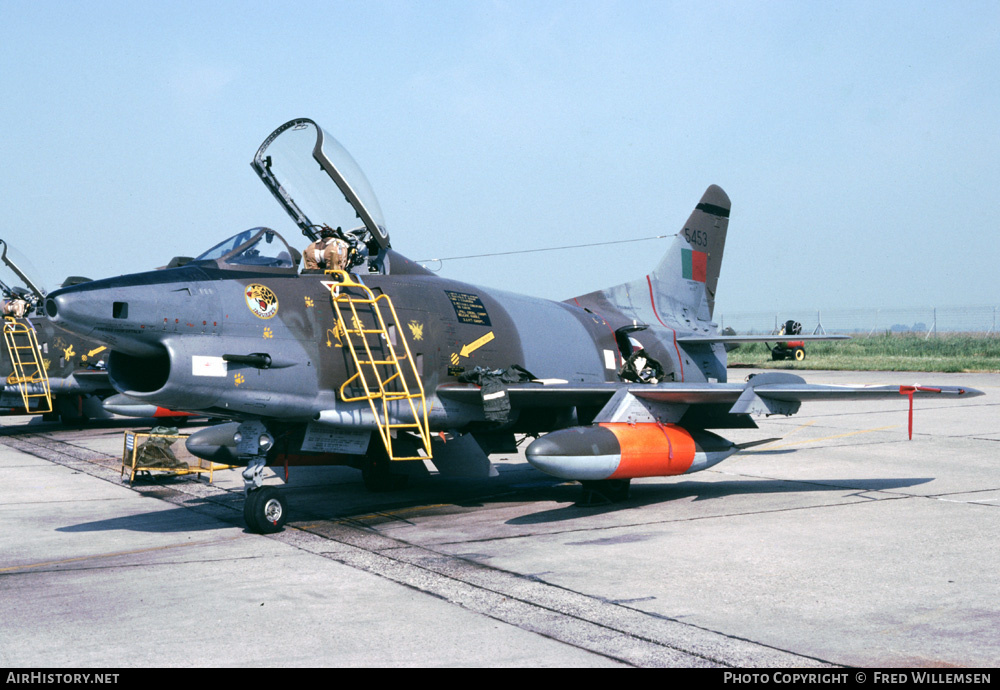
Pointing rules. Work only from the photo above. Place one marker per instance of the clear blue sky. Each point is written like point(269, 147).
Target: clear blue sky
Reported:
point(858, 140)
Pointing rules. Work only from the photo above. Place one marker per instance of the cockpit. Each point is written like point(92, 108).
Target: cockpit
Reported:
point(255, 248)
point(324, 191)
point(264, 249)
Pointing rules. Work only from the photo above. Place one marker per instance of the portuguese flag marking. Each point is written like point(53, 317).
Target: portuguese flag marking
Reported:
point(694, 264)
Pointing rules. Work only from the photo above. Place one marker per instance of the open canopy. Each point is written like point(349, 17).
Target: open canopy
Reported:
point(298, 162)
point(16, 274)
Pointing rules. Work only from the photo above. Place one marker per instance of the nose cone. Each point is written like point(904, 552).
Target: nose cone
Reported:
point(129, 312)
point(68, 310)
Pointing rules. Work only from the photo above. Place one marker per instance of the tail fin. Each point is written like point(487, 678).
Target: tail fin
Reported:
point(689, 272)
point(684, 281)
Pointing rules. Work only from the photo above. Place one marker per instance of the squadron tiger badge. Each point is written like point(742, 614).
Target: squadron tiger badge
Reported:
point(261, 300)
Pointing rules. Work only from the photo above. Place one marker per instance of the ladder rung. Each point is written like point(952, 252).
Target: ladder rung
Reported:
point(373, 377)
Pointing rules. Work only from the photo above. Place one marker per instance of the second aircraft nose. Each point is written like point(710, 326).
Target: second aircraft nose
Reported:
point(71, 311)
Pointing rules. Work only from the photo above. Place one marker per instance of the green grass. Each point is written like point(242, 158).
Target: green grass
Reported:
point(885, 352)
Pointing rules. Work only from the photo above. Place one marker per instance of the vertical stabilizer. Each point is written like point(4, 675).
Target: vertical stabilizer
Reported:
point(689, 272)
point(683, 284)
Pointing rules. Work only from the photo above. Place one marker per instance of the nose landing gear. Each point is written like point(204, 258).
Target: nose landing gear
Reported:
point(265, 510)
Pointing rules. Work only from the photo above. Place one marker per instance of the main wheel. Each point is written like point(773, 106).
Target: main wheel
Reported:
point(265, 510)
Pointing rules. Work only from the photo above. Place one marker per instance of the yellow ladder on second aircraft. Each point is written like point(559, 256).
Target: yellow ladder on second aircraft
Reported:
point(29, 373)
point(379, 372)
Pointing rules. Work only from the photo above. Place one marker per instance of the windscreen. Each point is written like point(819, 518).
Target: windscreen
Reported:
point(259, 247)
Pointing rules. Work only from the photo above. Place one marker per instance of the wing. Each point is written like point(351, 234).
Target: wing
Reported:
point(699, 405)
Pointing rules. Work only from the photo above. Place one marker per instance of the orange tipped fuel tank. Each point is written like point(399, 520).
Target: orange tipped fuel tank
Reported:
point(620, 450)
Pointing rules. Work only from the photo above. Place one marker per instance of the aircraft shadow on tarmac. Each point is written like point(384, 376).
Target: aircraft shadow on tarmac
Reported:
point(349, 503)
point(651, 494)
point(160, 521)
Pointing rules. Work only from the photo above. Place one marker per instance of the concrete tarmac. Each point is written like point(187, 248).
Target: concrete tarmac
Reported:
point(840, 544)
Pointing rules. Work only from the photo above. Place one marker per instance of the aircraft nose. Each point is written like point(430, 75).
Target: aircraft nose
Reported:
point(81, 311)
point(71, 312)
point(132, 313)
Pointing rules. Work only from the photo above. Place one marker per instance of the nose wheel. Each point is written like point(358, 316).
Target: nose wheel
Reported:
point(265, 510)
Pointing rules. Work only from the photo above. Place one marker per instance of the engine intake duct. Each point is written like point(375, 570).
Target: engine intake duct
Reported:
point(144, 374)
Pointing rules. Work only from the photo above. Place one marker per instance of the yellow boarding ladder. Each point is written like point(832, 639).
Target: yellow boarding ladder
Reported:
point(380, 372)
point(29, 373)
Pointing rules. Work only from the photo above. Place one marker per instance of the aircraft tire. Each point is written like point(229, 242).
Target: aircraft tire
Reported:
point(800, 354)
point(265, 510)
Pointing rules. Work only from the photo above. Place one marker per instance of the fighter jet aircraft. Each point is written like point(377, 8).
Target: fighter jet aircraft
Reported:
point(65, 373)
point(385, 364)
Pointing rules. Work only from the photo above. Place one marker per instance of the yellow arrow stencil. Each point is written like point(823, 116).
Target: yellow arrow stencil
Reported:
point(476, 344)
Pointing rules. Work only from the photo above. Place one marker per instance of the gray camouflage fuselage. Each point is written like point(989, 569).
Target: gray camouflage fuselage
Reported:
point(163, 325)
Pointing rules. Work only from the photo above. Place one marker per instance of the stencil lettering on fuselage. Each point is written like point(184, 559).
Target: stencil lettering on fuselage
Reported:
point(469, 308)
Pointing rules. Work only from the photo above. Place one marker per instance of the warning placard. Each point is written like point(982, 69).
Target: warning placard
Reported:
point(469, 308)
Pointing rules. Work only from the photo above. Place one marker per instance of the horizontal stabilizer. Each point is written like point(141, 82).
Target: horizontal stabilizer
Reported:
point(708, 339)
